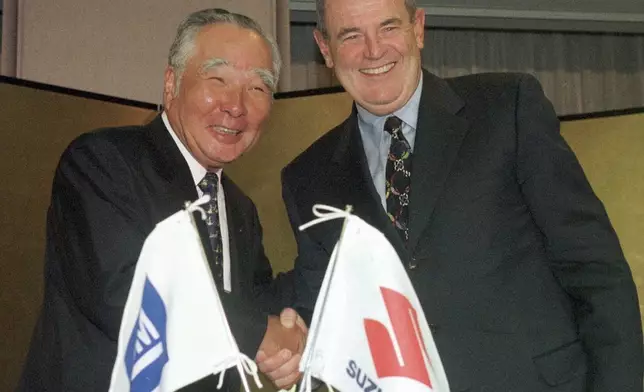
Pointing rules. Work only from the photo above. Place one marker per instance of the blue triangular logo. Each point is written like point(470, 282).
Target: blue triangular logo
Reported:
point(147, 349)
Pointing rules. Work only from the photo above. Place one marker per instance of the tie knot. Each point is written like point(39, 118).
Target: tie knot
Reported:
point(393, 125)
point(209, 184)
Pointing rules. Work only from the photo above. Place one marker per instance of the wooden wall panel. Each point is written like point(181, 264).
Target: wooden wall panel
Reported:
point(35, 128)
point(37, 125)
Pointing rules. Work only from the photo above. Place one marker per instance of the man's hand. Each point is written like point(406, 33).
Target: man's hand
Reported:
point(281, 350)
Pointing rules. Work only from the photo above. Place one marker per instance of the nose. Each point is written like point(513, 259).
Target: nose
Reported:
point(374, 48)
point(233, 102)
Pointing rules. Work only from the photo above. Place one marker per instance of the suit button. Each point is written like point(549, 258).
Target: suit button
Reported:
point(413, 263)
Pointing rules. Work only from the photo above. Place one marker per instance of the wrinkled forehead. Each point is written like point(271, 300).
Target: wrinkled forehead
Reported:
point(358, 14)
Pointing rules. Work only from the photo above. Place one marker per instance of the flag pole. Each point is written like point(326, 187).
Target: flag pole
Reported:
point(325, 290)
point(348, 209)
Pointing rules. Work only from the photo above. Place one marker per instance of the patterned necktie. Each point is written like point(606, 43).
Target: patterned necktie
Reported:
point(398, 177)
point(210, 185)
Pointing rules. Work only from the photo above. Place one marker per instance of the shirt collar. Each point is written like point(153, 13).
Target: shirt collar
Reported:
point(198, 172)
point(408, 113)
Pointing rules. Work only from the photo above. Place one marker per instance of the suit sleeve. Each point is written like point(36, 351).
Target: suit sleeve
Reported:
point(99, 225)
point(262, 295)
point(96, 229)
point(584, 253)
point(311, 260)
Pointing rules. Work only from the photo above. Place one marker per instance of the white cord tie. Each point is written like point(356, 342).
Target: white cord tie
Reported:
point(244, 366)
point(326, 213)
point(196, 205)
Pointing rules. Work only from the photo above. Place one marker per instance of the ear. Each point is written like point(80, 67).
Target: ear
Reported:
point(419, 27)
point(323, 44)
point(169, 84)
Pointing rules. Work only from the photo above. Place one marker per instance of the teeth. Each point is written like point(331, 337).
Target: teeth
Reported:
point(379, 70)
point(225, 130)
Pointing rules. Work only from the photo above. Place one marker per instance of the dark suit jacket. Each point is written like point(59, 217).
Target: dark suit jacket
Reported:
point(513, 258)
point(110, 189)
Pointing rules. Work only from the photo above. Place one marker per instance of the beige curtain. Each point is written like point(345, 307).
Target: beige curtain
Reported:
point(580, 73)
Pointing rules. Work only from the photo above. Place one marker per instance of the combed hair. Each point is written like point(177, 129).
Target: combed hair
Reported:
point(321, 24)
point(184, 42)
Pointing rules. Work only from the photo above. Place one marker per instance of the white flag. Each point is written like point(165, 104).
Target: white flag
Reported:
point(369, 332)
point(174, 330)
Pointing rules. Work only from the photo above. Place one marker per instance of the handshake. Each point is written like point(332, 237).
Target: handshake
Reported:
point(280, 352)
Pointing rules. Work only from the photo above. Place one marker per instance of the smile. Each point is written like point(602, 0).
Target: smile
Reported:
point(378, 71)
point(224, 130)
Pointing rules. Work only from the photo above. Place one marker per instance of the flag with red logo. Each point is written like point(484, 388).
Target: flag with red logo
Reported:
point(368, 331)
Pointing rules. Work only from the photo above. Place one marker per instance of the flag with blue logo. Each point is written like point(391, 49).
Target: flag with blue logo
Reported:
point(174, 330)
point(146, 353)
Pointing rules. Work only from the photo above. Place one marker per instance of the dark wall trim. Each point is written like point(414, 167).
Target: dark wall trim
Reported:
point(308, 93)
point(77, 93)
point(607, 113)
point(140, 104)
point(284, 95)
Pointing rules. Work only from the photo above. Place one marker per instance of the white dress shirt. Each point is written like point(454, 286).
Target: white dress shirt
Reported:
point(376, 141)
point(198, 172)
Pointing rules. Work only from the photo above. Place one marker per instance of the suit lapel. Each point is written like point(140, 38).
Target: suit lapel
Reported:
point(177, 185)
point(439, 135)
point(356, 184)
point(168, 163)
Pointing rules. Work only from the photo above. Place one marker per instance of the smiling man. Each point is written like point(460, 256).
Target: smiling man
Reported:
point(112, 187)
point(513, 258)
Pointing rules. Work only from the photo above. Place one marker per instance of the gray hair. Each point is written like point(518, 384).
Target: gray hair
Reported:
point(184, 42)
point(321, 23)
